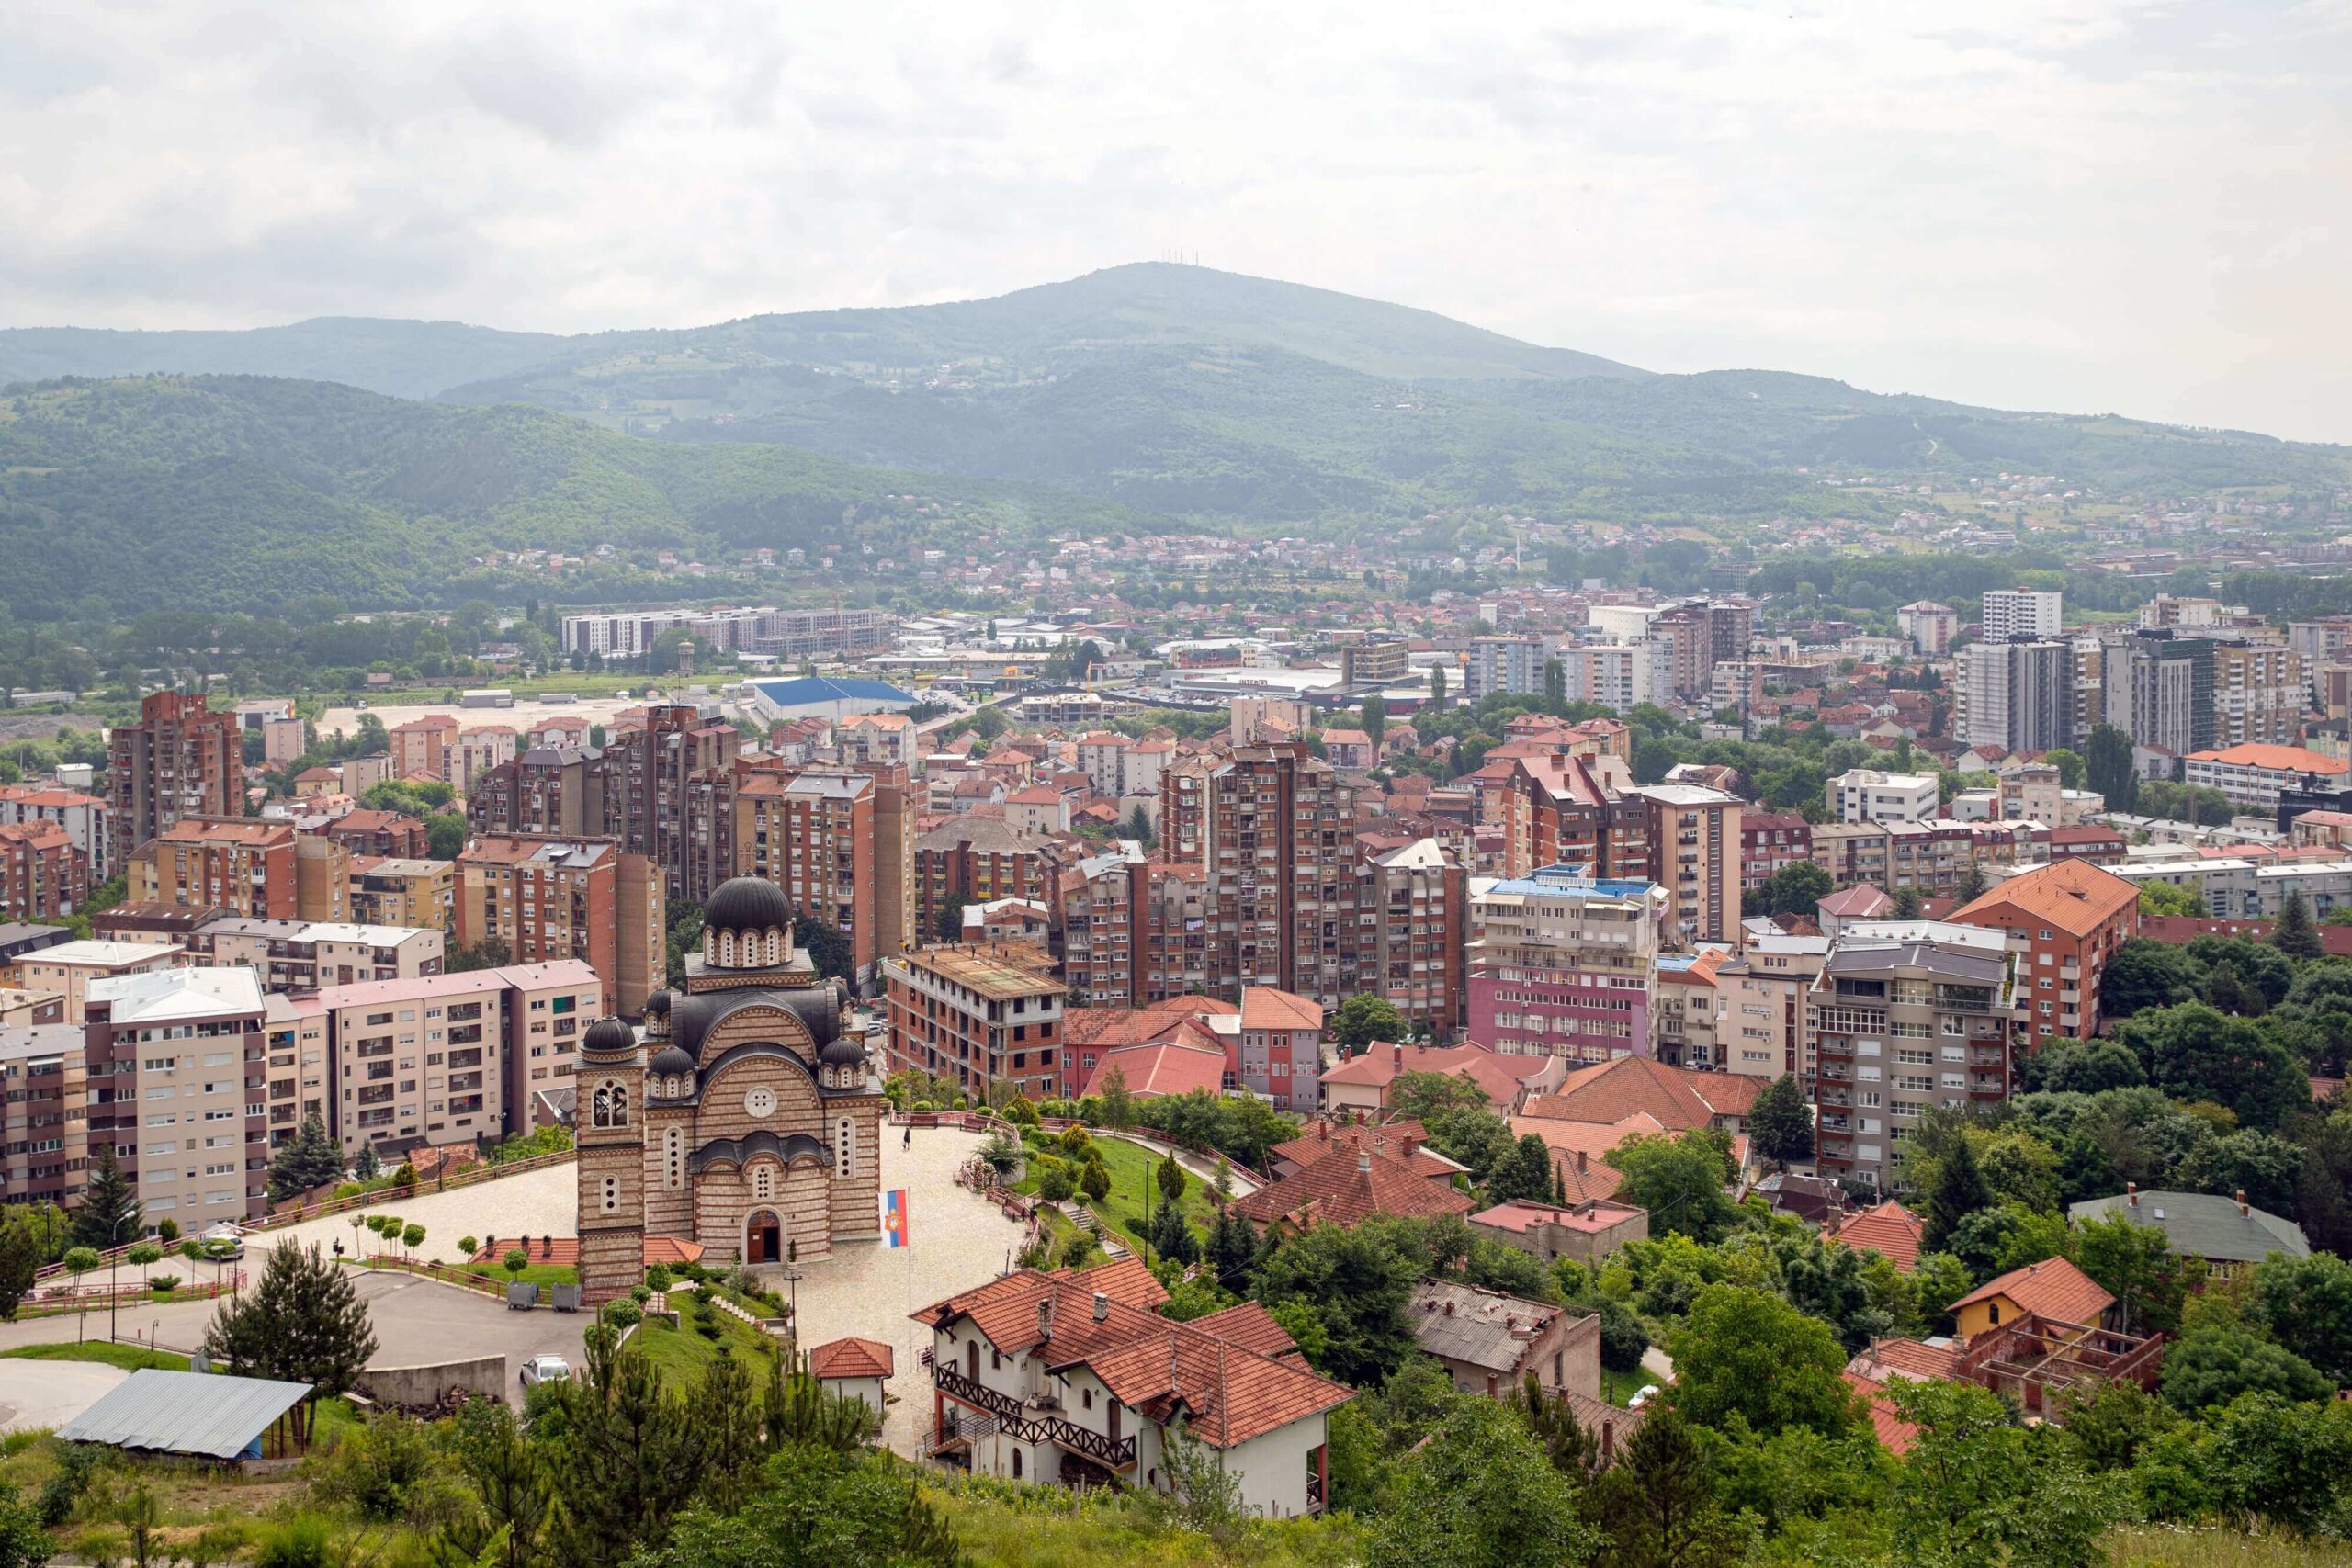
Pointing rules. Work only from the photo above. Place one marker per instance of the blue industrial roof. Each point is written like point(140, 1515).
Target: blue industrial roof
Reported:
point(186, 1412)
point(807, 689)
point(1577, 879)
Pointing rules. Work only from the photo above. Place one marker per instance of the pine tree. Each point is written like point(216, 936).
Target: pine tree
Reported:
point(1971, 886)
point(1171, 1237)
point(1658, 1504)
point(303, 1322)
point(1779, 1123)
point(110, 1214)
point(1233, 1249)
point(1957, 1190)
point(1552, 1421)
point(308, 1159)
point(2295, 935)
point(630, 1460)
point(368, 1166)
point(1170, 1180)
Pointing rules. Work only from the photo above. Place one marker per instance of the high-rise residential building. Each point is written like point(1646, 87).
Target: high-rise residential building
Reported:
point(87, 824)
point(1274, 828)
point(1413, 929)
point(1131, 931)
point(404, 893)
point(1564, 964)
point(552, 899)
point(1929, 625)
point(2158, 687)
point(244, 865)
point(42, 876)
point(1560, 808)
point(450, 1059)
point(68, 969)
point(294, 1035)
point(817, 834)
point(548, 792)
point(677, 777)
point(44, 1113)
point(479, 749)
point(425, 747)
point(1701, 635)
point(978, 860)
point(2064, 922)
point(1769, 842)
point(977, 1015)
point(177, 1079)
point(303, 955)
point(180, 759)
point(2016, 695)
point(1376, 662)
point(786, 633)
point(1905, 1017)
point(1765, 983)
point(1504, 664)
point(2022, 615)
point(1694, 845)
point(1866, 795)
point(2260, 694)
point(382, 834)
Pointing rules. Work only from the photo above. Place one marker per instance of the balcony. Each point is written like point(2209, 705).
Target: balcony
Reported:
point(1004, 1413)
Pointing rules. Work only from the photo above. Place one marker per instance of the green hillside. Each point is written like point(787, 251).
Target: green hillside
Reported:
point(405, 359)
point(238, 492)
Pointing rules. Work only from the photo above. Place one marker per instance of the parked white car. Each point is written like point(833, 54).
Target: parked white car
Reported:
point(1643, 1395)
point(545, 1369)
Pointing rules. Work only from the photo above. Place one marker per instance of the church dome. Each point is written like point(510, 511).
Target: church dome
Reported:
point(658, 1005)
point(746, 904)
point(608, 1037)
point(671, 1062)
point(848, 1051)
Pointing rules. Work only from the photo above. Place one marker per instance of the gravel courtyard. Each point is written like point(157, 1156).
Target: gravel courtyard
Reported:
point(545, 1201)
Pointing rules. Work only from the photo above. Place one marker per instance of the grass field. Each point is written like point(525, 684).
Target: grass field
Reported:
point(1131, 1169)
point(2150, 1547)
point(684, 1355)
point(129, 1358)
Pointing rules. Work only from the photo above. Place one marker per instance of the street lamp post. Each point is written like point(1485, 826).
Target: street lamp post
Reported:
point(114, 1256)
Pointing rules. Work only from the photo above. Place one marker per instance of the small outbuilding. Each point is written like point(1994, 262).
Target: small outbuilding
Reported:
point(854, 1367)
point(201, 1414)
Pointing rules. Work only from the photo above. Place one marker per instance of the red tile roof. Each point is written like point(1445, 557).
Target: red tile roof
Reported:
point(1894, 1433)
point(1231, 1391)
point(1891, 1230)
point(1347, 1187)
point(1679, 1098)
point(1402, 1139)
point(1499, 1074)
point(2052, 1289)
point(851, 1358)
point(2072, 896)
point(1162, 1067)
point(1262, 1007)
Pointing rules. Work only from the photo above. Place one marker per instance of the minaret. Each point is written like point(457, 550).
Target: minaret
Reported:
point(608, 1125)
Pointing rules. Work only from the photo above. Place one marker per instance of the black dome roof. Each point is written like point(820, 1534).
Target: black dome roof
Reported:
point(747, 904)
point(671, 1062)
point(846, 1051)
point(608, 1037)
point(658, 1005)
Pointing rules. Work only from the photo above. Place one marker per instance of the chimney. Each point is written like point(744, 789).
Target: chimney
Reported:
point(1323, 1131)
point(2131, 1193)
point(1045, 1318)
point(2244, 1212)
point(1449, 1308)
point(1397, 1056)
point(1580, 1162)
point(1411, 1144)
point(1102, 1306)
point(1363, 1162)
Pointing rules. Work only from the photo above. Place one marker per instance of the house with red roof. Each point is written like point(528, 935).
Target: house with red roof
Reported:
point(1075, 1378)
point(854, 1369)
point(1360, 1085)
point(1890, 1230)
point(1347, 1187)
point(1588, 1231)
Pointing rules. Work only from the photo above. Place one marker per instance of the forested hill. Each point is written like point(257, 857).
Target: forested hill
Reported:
point(237, 492)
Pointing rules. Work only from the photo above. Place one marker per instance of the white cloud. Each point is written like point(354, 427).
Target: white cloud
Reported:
point(2083, 204)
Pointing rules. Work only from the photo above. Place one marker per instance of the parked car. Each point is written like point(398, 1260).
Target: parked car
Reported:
point(545, 1369)
point(1643, 1395)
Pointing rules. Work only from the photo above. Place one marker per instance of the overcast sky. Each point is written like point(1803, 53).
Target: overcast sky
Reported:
point(2064, 204)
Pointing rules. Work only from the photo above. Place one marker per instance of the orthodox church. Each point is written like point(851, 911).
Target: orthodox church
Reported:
point(744, 1118)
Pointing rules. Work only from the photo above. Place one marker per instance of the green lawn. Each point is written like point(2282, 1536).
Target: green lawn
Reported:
point(129, 1358)
point(1131, 1168)
point(684, 1357)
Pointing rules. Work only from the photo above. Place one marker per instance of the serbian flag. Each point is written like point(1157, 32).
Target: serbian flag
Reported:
point(894, 1217)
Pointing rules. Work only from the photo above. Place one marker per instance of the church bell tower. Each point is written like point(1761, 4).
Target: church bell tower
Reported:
point(608, 1126)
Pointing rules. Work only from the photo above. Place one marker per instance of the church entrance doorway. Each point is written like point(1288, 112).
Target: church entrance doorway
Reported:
point(762, 1237)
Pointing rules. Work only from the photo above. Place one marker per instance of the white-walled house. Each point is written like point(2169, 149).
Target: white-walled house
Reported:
point(854, 1369)
point(1073, 1378)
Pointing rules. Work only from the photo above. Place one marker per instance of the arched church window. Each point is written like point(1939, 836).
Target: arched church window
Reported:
point(612, 1195)
point(763, 1183)
point(775, 947)
point(844, 1147)
point(620, 1105)
point(602, 1116)
point(674, 1158)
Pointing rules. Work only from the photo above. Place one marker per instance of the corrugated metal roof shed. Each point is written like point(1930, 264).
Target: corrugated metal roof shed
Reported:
point(186, 1412)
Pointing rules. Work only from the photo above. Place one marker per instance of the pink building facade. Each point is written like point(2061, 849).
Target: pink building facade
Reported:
point(1563, 965)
